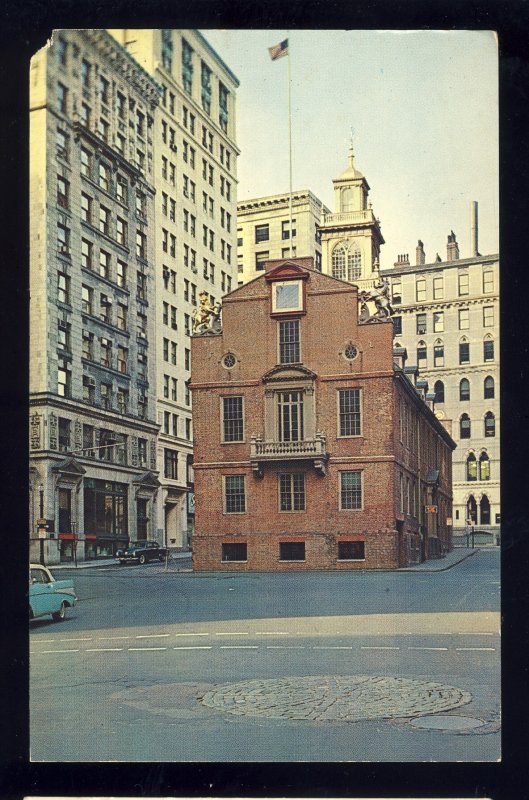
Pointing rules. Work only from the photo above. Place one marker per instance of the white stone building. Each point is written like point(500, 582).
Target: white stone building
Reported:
point(263, 231)
point(93, 428)
point(447, 318)
point(195, 175)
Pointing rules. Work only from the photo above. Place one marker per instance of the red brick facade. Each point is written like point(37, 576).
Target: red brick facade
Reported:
point(321, 400)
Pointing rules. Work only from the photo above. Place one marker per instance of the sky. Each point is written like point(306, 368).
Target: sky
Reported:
point(423, 110)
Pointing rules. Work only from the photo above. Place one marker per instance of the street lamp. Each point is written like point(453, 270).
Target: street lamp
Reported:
point(41, 516)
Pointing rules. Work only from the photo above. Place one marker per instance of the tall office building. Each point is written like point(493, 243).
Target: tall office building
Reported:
point(263, 231)
point(447, 318)
point(93, 429)
point(195, 175)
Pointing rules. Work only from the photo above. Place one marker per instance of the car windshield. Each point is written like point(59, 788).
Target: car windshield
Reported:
point(141, 544)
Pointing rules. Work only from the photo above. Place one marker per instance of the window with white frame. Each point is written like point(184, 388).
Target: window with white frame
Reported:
point(349, 412)
point(232, 419)
point(234, 494)
point(351, 490)
point(291, 491)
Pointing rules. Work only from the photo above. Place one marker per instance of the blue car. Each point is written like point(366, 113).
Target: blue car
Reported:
point(48, 596)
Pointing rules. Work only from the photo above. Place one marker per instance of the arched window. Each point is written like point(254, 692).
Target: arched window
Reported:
point(347, 199)
point(488, 388)
point(488, 348)
point(484, 467)
point(438, 353)
point(472, 509)
point(464, 427)
point(472, 468)
point(464, 389)
point(439, 389)
point(490, 424)
point(484, 510)
point(346, 261)
point(421, 354)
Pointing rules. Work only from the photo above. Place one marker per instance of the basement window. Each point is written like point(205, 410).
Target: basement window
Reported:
point(292, 551)
point(234, 552)
point(351, 551)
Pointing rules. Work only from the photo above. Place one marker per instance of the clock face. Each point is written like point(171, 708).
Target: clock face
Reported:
point(287, 296)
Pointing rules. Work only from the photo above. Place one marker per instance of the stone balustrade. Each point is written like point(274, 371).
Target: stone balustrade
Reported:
point(313, 449)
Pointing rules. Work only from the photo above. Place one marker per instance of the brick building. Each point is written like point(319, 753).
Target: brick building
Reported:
point(314, 445)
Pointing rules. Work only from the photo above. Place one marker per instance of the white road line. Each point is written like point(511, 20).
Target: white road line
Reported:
point(239, 647)
point(476, 633)
point(152, 635)
point(231, 633)
point(111, 638)
point(428, 648)
point(333, 647)
point(103, 650)
point(146, 648)
point(378, 647)
point(191, 634)
point(479, 649)
point(194, 647)
point(58, 651)
point(86, 639)
point(271, 633)
point(285, 647)
point(44, 641)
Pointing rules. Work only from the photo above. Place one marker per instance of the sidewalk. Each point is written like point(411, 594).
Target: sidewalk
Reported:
point(457, 555)
point(108, 562)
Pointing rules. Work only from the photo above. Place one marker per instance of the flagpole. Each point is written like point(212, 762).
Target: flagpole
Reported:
point(290, 139)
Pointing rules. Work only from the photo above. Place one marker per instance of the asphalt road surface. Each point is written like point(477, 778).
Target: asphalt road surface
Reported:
point(156, 665)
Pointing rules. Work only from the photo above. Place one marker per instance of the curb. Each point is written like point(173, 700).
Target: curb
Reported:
point(440, 569)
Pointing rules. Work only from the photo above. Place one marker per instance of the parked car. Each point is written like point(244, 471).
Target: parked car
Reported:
point(142, 552)
point(48, 596)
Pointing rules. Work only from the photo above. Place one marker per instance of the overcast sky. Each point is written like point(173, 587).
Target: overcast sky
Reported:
point(424, 111)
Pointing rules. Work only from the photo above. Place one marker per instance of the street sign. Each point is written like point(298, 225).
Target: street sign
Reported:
point(431, 509)
point(41, 533)
point(449, 520)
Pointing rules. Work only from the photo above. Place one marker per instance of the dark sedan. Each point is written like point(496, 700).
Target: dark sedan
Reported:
point(142, 552)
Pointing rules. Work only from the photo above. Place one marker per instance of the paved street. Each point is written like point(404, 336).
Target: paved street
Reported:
point(156, 665)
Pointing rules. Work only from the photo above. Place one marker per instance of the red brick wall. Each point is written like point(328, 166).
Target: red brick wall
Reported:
point(249, 332)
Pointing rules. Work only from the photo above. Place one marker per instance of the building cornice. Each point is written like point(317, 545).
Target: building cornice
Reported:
point(436, 266)
point(49, 401)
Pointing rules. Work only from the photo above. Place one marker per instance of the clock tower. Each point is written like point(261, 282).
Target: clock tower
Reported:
point(351, 237)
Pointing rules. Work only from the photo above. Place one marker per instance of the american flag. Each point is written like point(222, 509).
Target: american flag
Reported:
point(279, 50)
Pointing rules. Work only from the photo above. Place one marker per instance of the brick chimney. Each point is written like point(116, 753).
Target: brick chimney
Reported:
point(402, 260)
point(420, 257)
point(452, 248)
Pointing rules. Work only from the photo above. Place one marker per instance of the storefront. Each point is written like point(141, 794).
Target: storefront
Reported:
point(105, 517)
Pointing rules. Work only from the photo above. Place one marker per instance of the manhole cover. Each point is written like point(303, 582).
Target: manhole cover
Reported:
point(335, 699)
point(447, 723)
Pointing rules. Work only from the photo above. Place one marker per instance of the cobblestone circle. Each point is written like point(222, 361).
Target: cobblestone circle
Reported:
point(345, 698)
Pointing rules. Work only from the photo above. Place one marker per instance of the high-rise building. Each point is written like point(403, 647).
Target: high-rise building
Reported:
point(312, 451)
point(195, 175)
point(263, 231)
point(93, 428)
point(446, 315)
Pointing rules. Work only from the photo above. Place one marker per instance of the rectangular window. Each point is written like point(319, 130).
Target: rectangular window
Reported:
point(438, 290)
point(396, 291)
point(292, 491)
point(421, 324)
point(464, 353)
point(488, 316)
point(421, 355)
point(86, 163)
point(289, 341)
point(350, 413)
point(121, 317)
point(64, 379)
point(438, 322)
point(351, 551)
point(88, 345)
point(285, 229)
point(104, 264)
point(464, 322)
point(104, 220)
point(62, 94)
point(420, 290)
point(87, 254)
point(350, 490)
point(290, 416)
point(463, 283)
point(63, 288)
point(262, 233)
point(104, 177)
point(63, 192)
point(488, 281)
point(397, 325)
point(234, 494)
point(65, 431)
point(170, 464)
point(232, 419)
point(236, 551)
point(488, 350)
point(87, 299)
point(292, 551)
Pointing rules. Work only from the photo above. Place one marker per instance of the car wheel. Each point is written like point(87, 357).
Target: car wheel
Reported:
point(161, 556)
point(141, 559)
point(60, 614)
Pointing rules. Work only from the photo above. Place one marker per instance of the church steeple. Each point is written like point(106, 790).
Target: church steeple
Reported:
point(351, 237)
